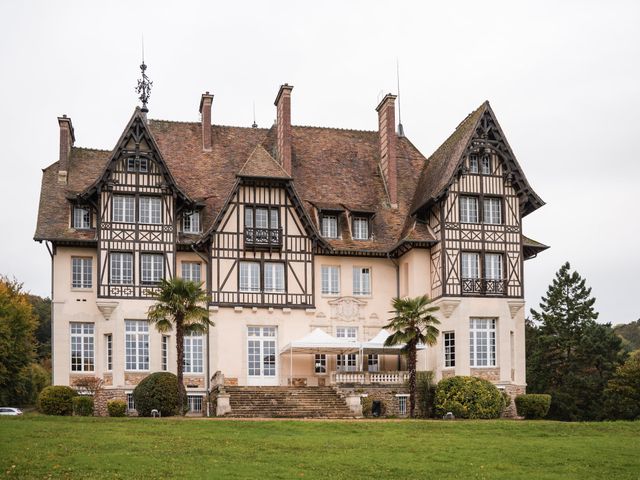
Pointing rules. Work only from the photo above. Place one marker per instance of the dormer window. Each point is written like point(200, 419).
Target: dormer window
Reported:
point(81, 217)
point(486, 165)
point(473, 164)
point(329, 226)
point(137, 165)
point(191, 222)
point(360, 227)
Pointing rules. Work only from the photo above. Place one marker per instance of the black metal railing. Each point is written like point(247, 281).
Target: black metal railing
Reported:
point(263, 237)
point(484, 286)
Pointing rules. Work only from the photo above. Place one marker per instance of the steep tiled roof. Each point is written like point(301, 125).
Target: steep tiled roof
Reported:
point(261, 164)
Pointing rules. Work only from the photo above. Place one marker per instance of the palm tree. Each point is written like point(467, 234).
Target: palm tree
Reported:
point(412, 324)
point(179, 304)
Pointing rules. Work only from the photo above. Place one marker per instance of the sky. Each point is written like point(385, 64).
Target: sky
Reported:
point(562, 77)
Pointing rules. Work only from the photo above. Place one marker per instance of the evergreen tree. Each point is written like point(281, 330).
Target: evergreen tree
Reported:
point(569, 354)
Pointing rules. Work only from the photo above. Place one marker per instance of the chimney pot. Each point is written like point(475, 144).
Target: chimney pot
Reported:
point(205, 109)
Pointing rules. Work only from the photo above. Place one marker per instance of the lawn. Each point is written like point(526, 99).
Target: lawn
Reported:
point(51, 447)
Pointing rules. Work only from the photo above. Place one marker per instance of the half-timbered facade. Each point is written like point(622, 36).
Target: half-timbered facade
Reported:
point(289, 229)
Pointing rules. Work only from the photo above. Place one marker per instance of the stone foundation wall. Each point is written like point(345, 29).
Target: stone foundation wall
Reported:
point(513, 391)
point(491, 374)
point(134, 379)
point(193, 382)
point(102, 397)
point(108, 379)
point(385, 394)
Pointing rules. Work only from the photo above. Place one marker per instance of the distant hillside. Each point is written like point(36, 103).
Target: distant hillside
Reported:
point(630, 334)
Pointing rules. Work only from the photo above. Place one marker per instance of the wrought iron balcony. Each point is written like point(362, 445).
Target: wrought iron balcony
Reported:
point(484, 286)
point(263, 237)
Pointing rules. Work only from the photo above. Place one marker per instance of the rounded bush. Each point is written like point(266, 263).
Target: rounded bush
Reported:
point(469, 397)
point(158, 391)
point(83, 405)
point(56, 400)
point(117, 408)
point(533, 405)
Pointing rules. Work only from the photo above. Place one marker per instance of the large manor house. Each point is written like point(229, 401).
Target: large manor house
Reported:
point(301, 237)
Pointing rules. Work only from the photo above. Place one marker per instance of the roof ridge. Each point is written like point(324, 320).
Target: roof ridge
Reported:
point(185, 122)
point(335, 128)
point(91, 149)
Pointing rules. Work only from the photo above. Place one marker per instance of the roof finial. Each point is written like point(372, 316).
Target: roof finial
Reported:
point(144, 84)
point(400, 127)
point(254, 124)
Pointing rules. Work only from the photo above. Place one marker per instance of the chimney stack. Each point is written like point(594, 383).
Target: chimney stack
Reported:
point(205, 110)
point(67, 139)
point(387, 133)
point(283, 105)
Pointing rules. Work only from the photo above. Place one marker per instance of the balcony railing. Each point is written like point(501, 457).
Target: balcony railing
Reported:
point(484, 286)
point(367, 378)
point(263, 237)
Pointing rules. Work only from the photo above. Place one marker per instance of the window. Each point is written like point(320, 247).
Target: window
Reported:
point(470, 265)
point(150, 210)
point(195, 403)
point(191, 222)
point(152, 267)
point(81, 272)
point(81, 217)
point(402, 404)
point(482, 342)
point(164, 364)
point(136, 344)
point(191, 271)
point(360, 228)
point(82, 347)
point(108, 347)
point(249, 277)
point(373, 363)
point(274, 277)
point(486, 165)
point(350, 333)
point(121, 268)
point(123, 209)
point(137, 165)
point(468, 209)
point(473, 164)
point(193, 353)
point(329, 226)
point(347, 363)
point(492, 210)
point(131, 404)
point(449, 349)
point(320, 363)
point(361, 281)
point(261, 217)
point(493, 266)
point(330, 279)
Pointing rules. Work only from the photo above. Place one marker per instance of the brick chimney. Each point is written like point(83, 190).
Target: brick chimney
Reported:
point(387, 133)
point(67, 139)
point(283, 125)
point(205, 110)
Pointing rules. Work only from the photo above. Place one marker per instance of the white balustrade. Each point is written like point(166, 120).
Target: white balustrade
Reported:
point(365, 378)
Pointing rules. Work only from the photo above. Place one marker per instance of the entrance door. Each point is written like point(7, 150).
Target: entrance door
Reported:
point(262, 356)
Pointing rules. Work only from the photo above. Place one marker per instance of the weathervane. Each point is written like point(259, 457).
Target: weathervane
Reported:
point(144, 85)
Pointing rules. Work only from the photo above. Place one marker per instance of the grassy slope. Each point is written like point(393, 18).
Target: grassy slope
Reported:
point(37, 446)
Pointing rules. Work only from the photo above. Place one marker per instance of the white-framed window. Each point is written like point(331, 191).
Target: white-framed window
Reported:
point(492, 210)
point(361, 281)
point(164, 360)
point(449, 341)
point(373, 363)
point(493, 266)
point(136, 345)
point(486, 165)
point(150, 210)
point(468, 209)
point(274, 277)
point(473, 163)
point(131, 404)
point(330, 276)
point(152, 267)
point(329, 226)
point(108, 348)
point(121, 268)
point(123, 209)
point(347, 363)
point(82, 347)
point(482, 342)
point(249, 277)
point(81, 217)
point(360, 228)
point(261, 217)
point(470, 265)
point(262, 351)
point(402, 403)
point(193, 353)
point(81, 272)
point(137, 165)
point(191, 271)
point(320, 364)
point(191, 222)
point(350, 333)
point(194, 403)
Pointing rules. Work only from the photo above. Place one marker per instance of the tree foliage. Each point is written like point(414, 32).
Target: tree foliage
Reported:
point(42, 309)
point(622, 395)
point(569, 355)
point(630, 334)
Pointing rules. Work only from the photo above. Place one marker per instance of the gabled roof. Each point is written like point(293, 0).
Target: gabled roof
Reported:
point(531, 247)
point(262, 165)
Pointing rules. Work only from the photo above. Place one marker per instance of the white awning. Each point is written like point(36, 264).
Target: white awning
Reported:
point(376, 345)
point(319, 341)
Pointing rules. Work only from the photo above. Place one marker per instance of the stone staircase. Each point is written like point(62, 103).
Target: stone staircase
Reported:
point(287, 402)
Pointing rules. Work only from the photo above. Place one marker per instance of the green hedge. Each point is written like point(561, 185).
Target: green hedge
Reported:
point(533, 406)
point(117, 408)
point(83, 405)
point(469, 397)
point(158, 391)
point(56, 400)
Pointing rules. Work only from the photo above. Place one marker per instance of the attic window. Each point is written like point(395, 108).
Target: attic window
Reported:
point(329, 224)
point(473, 164)
point(81, 217)
point(360, 227)
point(137, 165)
point(486, 165)
point(191, 222)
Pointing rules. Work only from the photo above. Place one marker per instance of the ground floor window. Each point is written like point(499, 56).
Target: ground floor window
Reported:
point(373, 364)
point(261, 351)
point(482, 342)
point(131, 404)
point(347, 363)
point(449, 349)
point(321, 363)
point(194, 403)
point(402, 404)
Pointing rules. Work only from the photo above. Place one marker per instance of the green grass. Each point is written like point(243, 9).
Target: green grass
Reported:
point(73, 447)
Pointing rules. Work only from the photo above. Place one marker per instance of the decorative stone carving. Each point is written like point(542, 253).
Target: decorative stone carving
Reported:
point(514, 307)
point(106, 308)
point(347, 309)
point(448, 306)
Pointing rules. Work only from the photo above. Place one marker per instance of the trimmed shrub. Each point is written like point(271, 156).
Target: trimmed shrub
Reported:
point(117, 408)
point(158, 391)
point(533, 406)
point(83, 406)
point(56, 400)
point(468, 397)
point(425, 394)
